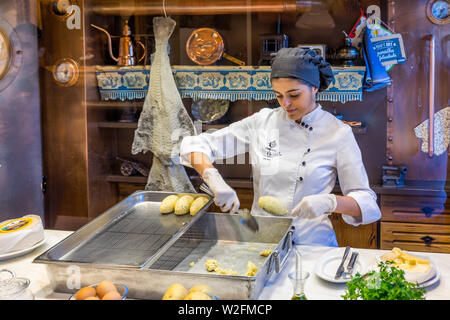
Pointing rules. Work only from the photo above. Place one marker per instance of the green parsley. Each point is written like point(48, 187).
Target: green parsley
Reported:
point(386, 284)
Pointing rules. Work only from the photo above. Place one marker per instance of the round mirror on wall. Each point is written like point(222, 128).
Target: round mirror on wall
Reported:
point(5, 54)
point(11, 54)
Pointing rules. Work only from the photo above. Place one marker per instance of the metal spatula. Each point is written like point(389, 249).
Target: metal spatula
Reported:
point(245, 216)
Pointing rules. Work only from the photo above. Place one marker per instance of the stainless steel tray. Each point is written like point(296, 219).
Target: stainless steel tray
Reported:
point(128, 234)
point(223, 238)
point(207, 235)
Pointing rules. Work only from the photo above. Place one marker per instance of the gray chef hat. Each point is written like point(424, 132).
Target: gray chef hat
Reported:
point(302, 64)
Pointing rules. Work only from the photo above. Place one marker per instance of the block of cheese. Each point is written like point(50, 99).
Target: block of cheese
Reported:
point(20, 234)
point(416, 269)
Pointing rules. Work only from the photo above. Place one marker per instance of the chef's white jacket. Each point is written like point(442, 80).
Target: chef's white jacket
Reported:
point(290, 161)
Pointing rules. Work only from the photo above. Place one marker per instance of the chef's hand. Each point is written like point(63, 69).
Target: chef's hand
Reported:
point(313, 206)
point(224, 196)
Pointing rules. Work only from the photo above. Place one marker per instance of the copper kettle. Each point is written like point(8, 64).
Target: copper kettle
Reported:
point(126, 47)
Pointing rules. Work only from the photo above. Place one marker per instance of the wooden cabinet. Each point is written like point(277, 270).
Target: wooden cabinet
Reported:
point(415, 223)
point(415, 236)
point(363, 236)
point(415, 209)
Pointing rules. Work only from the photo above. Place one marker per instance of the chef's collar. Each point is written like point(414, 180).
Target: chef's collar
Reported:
point(313, 115)
point(307, 119)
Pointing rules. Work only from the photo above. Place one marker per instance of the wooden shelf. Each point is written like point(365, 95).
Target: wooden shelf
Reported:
point(114, 104)
point(134, 125)
point(124, 179)
point(205, 127)
point(117, 125)
point(232, 182)
point(421, 188)
point(233, 83)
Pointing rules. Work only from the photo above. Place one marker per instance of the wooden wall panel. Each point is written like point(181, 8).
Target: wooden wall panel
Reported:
point(409, 106)
point(64, 125)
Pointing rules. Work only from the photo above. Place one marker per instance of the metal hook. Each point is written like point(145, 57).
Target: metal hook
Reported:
point(164, 8)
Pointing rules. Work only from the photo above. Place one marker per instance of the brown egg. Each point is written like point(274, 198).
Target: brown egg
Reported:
point(92, 298)
point(112, 295)
point(84, 293)
point(104, 287)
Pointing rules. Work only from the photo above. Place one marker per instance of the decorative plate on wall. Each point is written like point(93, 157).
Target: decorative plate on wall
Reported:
point(204, 46)
point(437, 11)
point(209, 110)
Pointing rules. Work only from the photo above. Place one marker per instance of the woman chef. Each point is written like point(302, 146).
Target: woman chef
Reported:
point(296, 152)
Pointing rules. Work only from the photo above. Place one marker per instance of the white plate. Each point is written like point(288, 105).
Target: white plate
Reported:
point(434, 274)
point(18, 253)
point(327, 265)
point(432, 280)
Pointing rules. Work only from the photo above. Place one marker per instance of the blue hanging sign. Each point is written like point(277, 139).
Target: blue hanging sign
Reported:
point(389, 49)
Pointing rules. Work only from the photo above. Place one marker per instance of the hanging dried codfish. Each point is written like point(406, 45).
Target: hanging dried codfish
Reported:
point(164, 121)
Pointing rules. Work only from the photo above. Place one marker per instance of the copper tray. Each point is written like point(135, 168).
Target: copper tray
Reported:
point(204, 46)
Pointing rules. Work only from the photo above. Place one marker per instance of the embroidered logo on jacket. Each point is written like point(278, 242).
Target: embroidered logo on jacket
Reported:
point(271, 150)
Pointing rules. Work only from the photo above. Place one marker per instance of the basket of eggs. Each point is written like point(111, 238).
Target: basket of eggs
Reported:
point(105, 290)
